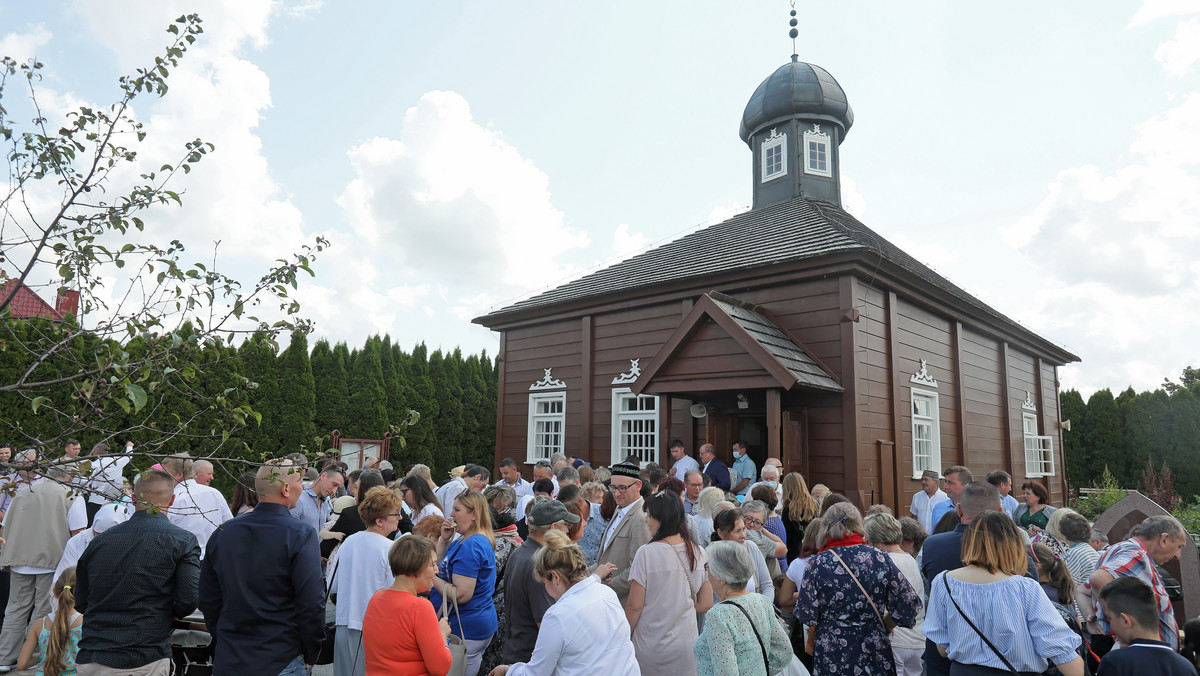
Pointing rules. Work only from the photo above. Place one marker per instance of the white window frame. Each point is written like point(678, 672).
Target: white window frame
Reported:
point(1039, 449)
point(619, 416)
point(934, 423)
point(536, 419)
point(809, 166)
point(770, 143)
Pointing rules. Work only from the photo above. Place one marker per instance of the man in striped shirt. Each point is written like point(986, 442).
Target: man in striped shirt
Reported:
point(1156, 540)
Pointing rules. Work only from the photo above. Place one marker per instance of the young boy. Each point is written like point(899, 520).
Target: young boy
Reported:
point(1133, 615)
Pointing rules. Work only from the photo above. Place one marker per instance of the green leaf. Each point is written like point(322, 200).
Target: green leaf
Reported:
point(137, 396)
point(38, 401)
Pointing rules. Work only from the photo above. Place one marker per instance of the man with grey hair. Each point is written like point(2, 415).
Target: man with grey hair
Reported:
point(770, 477)
point(568, 476)
point(198, 509)
point(1155, 541)
point(131, 581)
point(543, 470)
point(203, 470)
point(525, 599)
point(34, 533)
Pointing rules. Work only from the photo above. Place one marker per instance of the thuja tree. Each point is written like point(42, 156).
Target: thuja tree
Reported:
point(133, 367)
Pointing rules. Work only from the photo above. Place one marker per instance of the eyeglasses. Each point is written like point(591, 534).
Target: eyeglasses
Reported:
point(754, 523)
point(618, 488)
point(399, 514)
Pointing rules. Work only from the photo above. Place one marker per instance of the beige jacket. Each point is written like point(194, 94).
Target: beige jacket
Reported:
point(632, 532)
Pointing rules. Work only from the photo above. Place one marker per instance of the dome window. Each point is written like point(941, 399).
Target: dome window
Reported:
point(816, 152)
point(774, 159)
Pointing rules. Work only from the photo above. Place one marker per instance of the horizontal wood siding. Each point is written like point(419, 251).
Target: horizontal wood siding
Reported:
point(1051, 420)
point(873, 398)
point(528, 352)
point(1020, 381)
point(983, 402)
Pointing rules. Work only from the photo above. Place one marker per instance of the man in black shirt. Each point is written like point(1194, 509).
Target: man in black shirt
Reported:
point(525, 598)
point(132, 581)
point(261, 589)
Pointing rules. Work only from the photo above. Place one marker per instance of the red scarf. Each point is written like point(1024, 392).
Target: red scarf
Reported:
point(852, 539)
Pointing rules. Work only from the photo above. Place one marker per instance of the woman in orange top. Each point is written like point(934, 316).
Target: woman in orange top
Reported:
point(401, 634)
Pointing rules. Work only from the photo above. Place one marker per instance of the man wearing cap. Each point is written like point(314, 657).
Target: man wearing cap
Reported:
point(627, 531)
point(525, 598)
point(926, 498)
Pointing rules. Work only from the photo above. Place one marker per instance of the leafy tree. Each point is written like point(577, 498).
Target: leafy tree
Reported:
point(1147, 432)
point(1101, 432)
point(368, 402)
point(331, 383)
point(296, 399)
point(70, 220)
point(1190, 379)
point(1157, 486)
point(257, 363)
point(1079, 471)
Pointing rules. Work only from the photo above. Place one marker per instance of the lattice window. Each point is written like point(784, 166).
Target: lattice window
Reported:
point(927, 442)
point(635, 426)
point(774, 159)
point(547, 424)
point(1039, 449)
point(816, 153)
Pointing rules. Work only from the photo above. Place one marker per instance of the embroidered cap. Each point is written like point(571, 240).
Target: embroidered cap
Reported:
point(627, 469)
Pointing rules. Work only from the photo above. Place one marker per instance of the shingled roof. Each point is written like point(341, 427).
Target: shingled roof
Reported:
point(791, 231)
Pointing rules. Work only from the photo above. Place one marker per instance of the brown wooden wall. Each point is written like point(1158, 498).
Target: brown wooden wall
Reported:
point(861, 441)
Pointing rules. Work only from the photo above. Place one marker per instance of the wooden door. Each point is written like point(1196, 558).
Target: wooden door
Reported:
point(795, 442)
point(720, 430)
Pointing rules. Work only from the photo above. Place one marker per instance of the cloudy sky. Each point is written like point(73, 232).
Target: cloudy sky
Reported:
point(460, 156)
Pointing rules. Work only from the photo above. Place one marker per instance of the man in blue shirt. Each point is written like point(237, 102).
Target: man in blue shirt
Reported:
point(1003, 482)
point(745, 469)
point(943, 552)
point(261, 589)
point(313, 506)
point(956, 478)
point(713, 467)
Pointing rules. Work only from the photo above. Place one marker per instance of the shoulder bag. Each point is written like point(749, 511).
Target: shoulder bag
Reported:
point(889, 625)
point(456, 644)
point(976, 629)
point(325, 656)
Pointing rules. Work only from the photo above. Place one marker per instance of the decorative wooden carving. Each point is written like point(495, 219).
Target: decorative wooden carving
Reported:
point(922, 377)
point(1028, 404)
point(548, 382)
point(629, 376)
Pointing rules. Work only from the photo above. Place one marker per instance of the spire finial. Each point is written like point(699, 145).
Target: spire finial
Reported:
point(793, 33)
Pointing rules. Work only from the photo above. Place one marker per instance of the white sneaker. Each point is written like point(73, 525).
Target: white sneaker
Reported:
point(5, 668)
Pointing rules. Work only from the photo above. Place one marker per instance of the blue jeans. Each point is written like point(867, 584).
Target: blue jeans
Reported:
point(296, 668)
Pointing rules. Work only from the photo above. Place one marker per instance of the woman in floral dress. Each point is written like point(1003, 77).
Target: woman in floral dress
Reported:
point(850, 636)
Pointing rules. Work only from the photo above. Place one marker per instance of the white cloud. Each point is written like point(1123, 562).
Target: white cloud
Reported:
point(1178, 55)
point(449, 219)
point(626, 243)
point(853, 201)
point(24, 46)
point(724, 212)
point(1152, 10)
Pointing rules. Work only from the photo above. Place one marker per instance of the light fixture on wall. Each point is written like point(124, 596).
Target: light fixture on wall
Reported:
point(743, 402)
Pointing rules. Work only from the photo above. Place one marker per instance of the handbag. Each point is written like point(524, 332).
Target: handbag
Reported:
point(889, 624)
point(456, 644)
point(325, 656)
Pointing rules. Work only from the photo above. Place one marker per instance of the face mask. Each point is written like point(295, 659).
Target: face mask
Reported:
point(772, 484)
point(736, 455)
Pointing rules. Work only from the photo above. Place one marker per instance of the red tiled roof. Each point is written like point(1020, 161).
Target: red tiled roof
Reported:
point(26, 303)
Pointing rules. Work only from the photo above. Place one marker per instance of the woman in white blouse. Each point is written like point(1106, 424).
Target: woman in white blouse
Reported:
point(585, 632)
point(990, 597)
point(419, 498)
point(361, 569)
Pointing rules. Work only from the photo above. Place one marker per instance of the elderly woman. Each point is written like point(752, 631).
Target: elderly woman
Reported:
point(504, 531)
point(728, 524)
point(585, 630)
point(401, 633)
point(755, 513)
point(706, 506)
point(742, 630)
point(846, 589)
point(1035, 513)
point(884, 533)
point(362, 569)
point(668, 586)
point(1081, 559)
point(1051, 535)
point(774, 524)
point(467, 569)
point(1029, 628)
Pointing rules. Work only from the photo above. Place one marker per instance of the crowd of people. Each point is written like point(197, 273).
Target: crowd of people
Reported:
point(696, 568)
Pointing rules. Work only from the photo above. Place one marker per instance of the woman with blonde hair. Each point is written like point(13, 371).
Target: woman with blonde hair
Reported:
point(57, 635)
point(963, 605)
point(798, 508)
point(847, 588)
point(706, 509)
point(467, 568)
point(585, 630)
